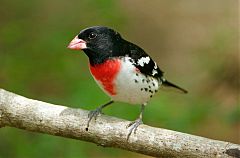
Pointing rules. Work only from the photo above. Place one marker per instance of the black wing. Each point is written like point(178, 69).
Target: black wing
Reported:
point(143, 61)
point(147, 66)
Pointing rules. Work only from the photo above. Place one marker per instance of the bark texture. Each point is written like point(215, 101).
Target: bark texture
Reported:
point(37, 116)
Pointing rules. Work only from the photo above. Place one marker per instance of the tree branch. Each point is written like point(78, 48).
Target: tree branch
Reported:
point(32, 115)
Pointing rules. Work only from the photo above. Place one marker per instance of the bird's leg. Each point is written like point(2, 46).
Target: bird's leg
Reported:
point(96, 112)
point(134, 125)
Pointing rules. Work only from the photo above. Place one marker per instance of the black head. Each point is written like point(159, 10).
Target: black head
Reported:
point(98, 42)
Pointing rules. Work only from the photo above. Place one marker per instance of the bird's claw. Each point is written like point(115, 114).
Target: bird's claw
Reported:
point(93, 114)
point(133, 126)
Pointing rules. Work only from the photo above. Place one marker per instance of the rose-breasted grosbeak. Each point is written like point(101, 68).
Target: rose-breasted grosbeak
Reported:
point(122, 69)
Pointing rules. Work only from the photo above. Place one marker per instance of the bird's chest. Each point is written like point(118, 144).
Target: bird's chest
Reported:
point(106, 73)
point(132, 86)
point(122, 81)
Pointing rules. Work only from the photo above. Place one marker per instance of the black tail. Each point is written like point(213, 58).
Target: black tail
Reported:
point(167, 84)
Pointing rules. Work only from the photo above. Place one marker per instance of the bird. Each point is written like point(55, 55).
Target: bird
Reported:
point(123, 70)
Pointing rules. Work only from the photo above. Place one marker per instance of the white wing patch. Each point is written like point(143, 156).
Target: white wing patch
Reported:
point(155, 65)
point(154, 72)
point(143, 60)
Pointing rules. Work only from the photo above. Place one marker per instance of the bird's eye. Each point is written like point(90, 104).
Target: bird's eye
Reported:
point(92, 35)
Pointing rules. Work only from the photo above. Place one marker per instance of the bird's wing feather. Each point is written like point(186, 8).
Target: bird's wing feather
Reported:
point(143, 61)
point(148, 67)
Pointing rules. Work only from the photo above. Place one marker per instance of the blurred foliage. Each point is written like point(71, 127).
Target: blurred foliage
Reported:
point(195, 42)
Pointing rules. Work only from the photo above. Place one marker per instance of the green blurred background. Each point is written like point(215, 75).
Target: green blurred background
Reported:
point(194, 42)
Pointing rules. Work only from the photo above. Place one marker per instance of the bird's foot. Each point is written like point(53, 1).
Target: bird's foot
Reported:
point(93, 114)
point(133, 126)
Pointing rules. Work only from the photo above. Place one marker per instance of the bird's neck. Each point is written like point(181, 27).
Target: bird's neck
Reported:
point(99, 56)
point(95, 58)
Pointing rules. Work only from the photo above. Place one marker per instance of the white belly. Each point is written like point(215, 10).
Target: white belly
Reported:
point(132, 86)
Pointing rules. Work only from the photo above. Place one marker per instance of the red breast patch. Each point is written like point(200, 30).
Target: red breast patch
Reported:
point(106, 73)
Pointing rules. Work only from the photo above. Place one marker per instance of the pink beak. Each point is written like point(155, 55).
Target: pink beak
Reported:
point(77, 44)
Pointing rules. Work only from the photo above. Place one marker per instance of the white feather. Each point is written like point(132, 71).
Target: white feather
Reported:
point(132, 86)
point(143, 60)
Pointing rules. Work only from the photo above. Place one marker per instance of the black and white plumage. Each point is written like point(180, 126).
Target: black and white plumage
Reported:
point(123, 70)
